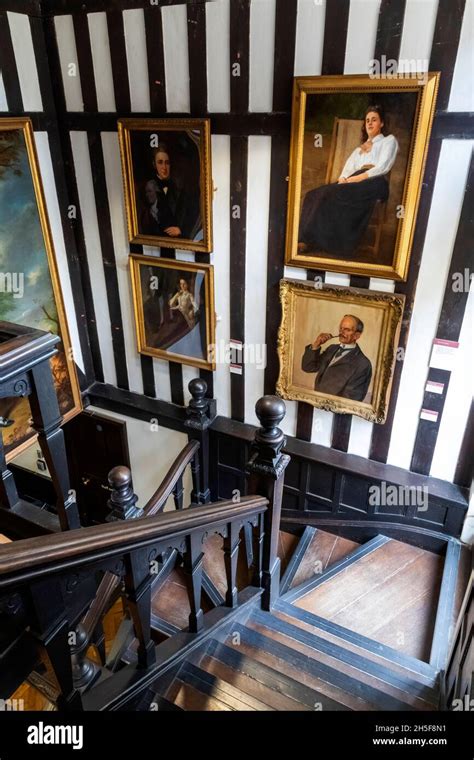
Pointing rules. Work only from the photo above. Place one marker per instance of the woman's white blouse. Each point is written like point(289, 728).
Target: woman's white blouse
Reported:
point(383, 154)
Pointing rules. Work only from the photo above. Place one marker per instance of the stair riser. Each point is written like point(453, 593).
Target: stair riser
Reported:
point(305, 667)
point(407, 697)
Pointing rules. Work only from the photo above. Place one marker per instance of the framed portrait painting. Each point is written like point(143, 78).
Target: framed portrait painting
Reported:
point(174, 309)
point(358, 151)
point(166, 165)
point(30, 291)
point(337, 347)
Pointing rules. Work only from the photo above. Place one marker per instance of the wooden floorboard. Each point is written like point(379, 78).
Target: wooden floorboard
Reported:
point(390, 596)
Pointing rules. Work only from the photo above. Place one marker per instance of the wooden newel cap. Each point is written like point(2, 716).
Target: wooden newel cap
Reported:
point(197, 388)
point(270, 410)
point(119, 477)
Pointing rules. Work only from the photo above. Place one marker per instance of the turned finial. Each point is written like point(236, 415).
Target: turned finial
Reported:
point(122, 499)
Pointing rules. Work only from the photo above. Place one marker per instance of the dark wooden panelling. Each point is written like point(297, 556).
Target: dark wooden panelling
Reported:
point(44, 66)
point(176, 383)
point(148, 376)
point(341, 431)
point(304, 421)
point(221, 123)
point(84, 58)
point(455, 300)
point(239, 54)
point(118, 56)
point(155, 58)
point(427, 432)
point(453, 125)
point(324, 480)
point(47, 63)
point(238, 225)
point(196, 15)
point(445, 46)
point(465, 466)
point(61, 7)
point(137, 406)
point(357, 281)
point(8, 68)
point(276, 253)
point(108, 258)
point(30, 7)
point(335, 35)
point(283, 63)
point(389, 29)
point(382, 433)
point(449, 327)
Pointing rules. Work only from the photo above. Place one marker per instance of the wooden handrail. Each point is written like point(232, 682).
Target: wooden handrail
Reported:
point(46, 555)
point(165, 489)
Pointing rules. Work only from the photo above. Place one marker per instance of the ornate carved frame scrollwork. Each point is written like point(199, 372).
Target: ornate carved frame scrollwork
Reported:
point(392, 305)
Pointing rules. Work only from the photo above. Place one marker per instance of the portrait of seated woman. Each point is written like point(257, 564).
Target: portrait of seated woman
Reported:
point(172, 316)
point(335, 216)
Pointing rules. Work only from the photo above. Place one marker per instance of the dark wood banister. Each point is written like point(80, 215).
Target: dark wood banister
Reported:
point(165, 489)
point(44, 555)
point(42, 569)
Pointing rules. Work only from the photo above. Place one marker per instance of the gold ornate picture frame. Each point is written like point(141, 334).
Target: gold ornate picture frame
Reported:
point(336, 221)
point(174, 310)
point(355, 375)
point(166, 165)
point(27, 258)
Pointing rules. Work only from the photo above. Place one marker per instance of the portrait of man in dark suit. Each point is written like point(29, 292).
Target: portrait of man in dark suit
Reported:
point(178, 209)
point(342, 369)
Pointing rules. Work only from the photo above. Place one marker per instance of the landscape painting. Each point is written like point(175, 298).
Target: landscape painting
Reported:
point(30, 294)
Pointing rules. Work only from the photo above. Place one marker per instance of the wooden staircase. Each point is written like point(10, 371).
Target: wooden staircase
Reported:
point(300, 656)
point(213, 607)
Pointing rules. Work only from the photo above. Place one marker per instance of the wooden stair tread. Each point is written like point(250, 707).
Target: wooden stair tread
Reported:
point(372, 649)
point(290, 663)
point(281, 685)
point(213, 685)
point(384, 595)
point(251, 686)
point(401, 687)
point(4, 539)
point(326, 549)
point(361, 578)
point(336, 569)
point(190, 699)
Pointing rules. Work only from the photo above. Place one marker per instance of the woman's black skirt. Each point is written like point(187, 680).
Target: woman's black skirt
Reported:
point(334, 217)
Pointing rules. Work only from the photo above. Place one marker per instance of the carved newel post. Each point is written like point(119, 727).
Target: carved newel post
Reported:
point(266, 474)
point(122, 500)
point(199, 418)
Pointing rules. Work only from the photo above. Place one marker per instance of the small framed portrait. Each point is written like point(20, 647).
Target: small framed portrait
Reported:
point(337, 347)
point(174, 309)
point(166, 166)
point(358, 150)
